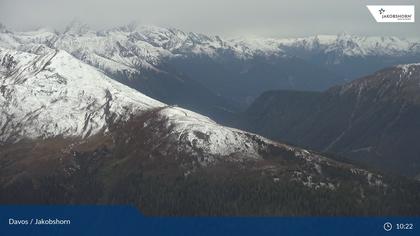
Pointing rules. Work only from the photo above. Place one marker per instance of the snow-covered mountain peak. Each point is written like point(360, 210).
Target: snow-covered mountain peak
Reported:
point(345, 35)
point(57, 95)
point(135, 49)
point(396, 83)
point(148, 45)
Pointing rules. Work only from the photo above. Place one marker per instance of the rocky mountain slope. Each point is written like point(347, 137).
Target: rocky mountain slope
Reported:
point(165, 172)
point(373, 120)
point(52, 93)
point(70, 134)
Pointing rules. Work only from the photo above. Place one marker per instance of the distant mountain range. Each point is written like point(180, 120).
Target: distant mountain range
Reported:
point(373, 120)
point(212, 75)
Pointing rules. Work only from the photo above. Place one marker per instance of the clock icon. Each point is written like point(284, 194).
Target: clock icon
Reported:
point(387, 226)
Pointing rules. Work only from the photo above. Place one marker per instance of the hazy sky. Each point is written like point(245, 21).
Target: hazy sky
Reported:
point(278, 18)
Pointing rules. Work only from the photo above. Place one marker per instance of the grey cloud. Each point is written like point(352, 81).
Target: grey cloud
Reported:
point(277, 18)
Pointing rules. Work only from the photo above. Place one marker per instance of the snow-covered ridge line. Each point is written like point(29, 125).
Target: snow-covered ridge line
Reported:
point(55, 94)
point(406, 67)
point(132, 48)
point(402, 79)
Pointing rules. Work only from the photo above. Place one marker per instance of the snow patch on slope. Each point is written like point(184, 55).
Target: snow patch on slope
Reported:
point(407, 67)
point(201, 132)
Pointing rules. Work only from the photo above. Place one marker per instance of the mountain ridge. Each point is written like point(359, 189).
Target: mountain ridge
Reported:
point(204, 71)
point(370, 120)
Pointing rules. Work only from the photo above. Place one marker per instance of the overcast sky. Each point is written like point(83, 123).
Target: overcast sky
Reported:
point(229, 18)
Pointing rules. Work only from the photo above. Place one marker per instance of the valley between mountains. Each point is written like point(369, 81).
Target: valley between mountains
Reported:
point(373, 120)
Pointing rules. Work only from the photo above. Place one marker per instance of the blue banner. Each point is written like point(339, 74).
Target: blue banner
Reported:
point(126, 220)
